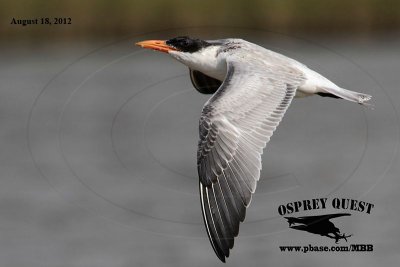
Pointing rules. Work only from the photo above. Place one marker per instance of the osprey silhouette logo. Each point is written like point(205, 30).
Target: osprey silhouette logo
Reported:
point(320, 225)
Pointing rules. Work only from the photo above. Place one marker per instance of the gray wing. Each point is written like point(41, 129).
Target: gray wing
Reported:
point(236, 124)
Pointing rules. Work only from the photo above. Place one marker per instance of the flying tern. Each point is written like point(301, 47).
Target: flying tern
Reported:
point(251, 88)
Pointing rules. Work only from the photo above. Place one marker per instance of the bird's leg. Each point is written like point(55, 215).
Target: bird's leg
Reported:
point(344, 236)
point(339, 236)
point(330, 236)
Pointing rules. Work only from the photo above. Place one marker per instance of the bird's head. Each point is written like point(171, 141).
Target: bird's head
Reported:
point(197, 54)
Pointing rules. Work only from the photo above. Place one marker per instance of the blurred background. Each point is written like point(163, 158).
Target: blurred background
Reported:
point(102, 18)
point(98, 137)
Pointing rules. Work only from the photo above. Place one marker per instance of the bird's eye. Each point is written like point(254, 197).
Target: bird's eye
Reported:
point(186, 44)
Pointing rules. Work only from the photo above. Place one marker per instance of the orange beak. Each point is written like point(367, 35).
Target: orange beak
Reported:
point(158, 45)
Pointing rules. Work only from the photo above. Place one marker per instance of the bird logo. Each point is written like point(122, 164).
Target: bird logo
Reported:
point(319, 225)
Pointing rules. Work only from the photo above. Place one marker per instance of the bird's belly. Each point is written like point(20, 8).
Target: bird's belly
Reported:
point(218, 74)
point(300, 94)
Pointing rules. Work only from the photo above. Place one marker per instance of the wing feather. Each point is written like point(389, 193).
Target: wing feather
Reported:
point(236, 124)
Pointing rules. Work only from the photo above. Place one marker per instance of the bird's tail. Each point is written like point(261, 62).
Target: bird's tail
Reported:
point(352, 96)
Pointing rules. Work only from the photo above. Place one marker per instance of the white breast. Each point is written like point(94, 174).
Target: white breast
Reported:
point(204, 61)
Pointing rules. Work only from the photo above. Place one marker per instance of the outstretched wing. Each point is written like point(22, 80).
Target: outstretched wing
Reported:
point(308, 220)
point(325, 216)
point(236, 124)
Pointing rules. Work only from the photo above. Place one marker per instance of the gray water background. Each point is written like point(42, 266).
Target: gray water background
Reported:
point(98, 158)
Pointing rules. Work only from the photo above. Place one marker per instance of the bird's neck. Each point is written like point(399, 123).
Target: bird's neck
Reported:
point(205, 61)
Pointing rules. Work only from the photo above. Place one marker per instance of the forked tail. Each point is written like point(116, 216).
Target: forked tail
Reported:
point(352, 96)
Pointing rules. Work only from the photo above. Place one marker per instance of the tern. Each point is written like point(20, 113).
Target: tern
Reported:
point(251, 87)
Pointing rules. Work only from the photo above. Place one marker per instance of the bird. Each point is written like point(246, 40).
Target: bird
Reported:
point(251, 88)
point(319, 224)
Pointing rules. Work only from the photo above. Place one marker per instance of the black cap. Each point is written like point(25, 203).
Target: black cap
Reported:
point(187, 44)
